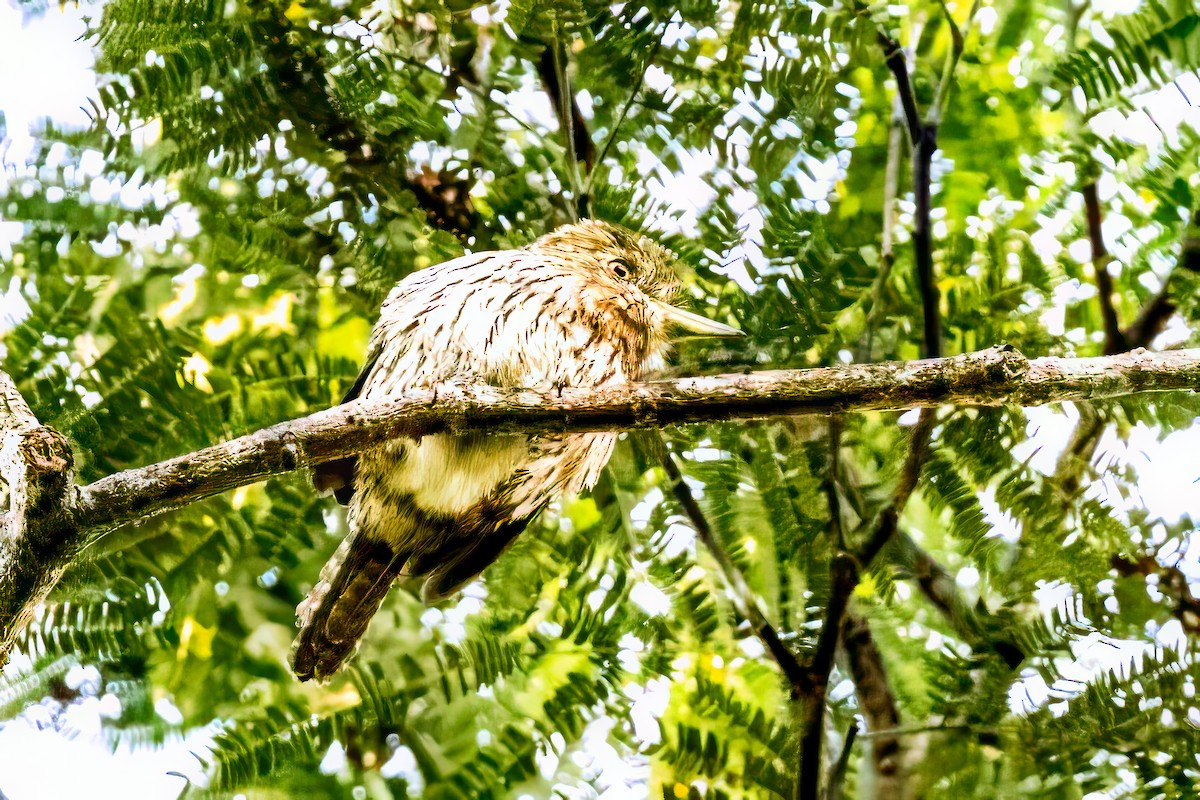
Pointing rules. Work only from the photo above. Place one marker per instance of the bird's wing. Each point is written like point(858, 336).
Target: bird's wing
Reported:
point(338, 475)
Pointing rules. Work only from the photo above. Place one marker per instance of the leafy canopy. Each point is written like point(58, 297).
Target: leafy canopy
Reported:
point(209, 258)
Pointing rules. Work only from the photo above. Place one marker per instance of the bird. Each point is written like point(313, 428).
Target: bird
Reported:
point(588, 304)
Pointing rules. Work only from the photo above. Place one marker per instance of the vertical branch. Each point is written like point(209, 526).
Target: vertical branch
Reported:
point(845, 568)
point(957, 39)
point(843, 578)
point(878, 704)
point(831, 482)
point(35, 465)
point(897, 62)
point(923, 136)
point(1114, 339)
point(922, 234)
point(743, 597)
point(885, 524)
point(887, 253)
point(834, 790)
point(552, 67)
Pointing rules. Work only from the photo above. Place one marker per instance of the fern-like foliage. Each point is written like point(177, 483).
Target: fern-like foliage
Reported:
point(1150, 47)
point(209, 258)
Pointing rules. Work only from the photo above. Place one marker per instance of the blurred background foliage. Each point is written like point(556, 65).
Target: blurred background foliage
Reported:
point(209, 257)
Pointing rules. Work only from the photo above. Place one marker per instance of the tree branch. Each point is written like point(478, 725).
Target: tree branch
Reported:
point(922, 234)
point(897, 62)
point(923, 136)
point(616, 128)
point(1114, 338)
point(35, 467)
point(843, 578)
point(574, 123)
point(878, 704)
point(740, 592)
point(991, 377)
point(838, 776)
point(957, 38)
point(1154, 315)
point(969, 622)
point(885, 524)
point(577, 140)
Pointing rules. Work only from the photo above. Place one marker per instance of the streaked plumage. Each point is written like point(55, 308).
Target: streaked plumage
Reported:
point(586, 305)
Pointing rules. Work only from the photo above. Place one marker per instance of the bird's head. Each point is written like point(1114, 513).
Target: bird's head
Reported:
point(616, 255)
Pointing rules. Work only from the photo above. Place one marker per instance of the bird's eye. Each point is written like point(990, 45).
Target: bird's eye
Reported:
point(620, 268)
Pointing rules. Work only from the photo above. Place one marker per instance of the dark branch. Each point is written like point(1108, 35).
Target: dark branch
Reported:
point(1151, 321)
point(970, 622)
point(843, 578)
point(923, 240)
point(1153, 318)
point(585, 148)
point(742, 596)
point(1189, 258)
point(838, 776)
point(1114, 339)
point(896, 61)
point(885, 525)
point(923, 136)
point(878, 704)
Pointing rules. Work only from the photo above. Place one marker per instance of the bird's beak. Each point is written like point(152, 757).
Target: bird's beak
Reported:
point(694, 323)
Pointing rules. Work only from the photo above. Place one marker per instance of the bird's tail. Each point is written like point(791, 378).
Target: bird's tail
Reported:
point(337, 611)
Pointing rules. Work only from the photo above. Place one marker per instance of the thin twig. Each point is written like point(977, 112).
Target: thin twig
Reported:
point(1114, 339)
point(887, 254)
point(968, 620)
point(472, 87)
point(739, 590)
point(897, 62)
point(957, 37)
point(886, 522)
point(612, 136)
point(833, 791)
point(831, 482)
point(1153, 318)
point(565, 103)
